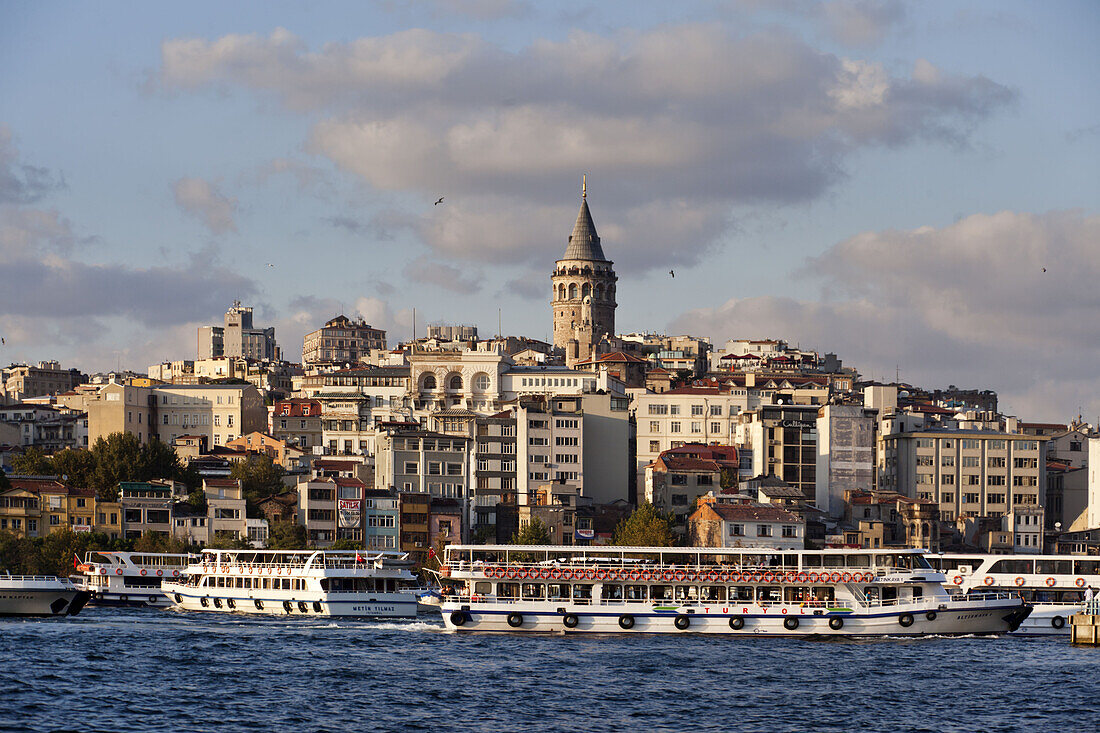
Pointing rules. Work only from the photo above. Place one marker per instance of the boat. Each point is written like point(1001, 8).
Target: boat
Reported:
point(298, 583)
point(40, 595)
point(1055, 585)
point(741, 591)
point(129, 578)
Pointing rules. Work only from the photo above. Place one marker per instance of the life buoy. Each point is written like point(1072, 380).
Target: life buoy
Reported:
point(836, 623)
point(1080, 582)
point(803, 577)
point(118, 571)
point(634, 575)
point(988, 580)
point(835, 577)
point(846, 577)
point(682, 622)
point(511, 573)
point(792, 576)
point(957, 580)
point(544, 573)
point(712, 576)
point(566, 574)
point(668, 576)
point(175, 573)
point(680, 576)
point(589, 574)
point(868, 577)
point(1020, 580)
point(103, 571)
point(556, 573)
point(601, 574)
point(814, 577)
point(692, 576)
point(764, 577)
point(144, 572)
point(1051, 582)
point(160, 573)
point(732, 577)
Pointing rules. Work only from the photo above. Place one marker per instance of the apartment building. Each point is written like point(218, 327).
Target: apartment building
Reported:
point(681, 475)
point(147, 506)
point(781, 440)
point(38, 506)
point(968, 473)
point(341, 341)
point(45, 428)
point(23, 381)
point(423, 461)
point(721, 524)
point(845, 454)
point(226, 508)
point(298, 422)
point(238, 338)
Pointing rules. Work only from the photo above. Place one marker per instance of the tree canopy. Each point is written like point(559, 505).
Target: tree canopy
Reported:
point(535, 533)
point(645, 527)
point(287, 536)
point(260, 478)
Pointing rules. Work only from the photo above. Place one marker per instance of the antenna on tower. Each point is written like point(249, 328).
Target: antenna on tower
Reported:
point(584, 185)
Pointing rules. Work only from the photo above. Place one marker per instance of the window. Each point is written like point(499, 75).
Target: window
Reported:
point(947, 461)
point(411, 467)
point(948, 497)
point(971, 497)
point(737, 530)
point(696, 410)
point(715, 427)
point(482, 382)
point(674, 427)
point(996, 462)
point(973, 480)
point(674, 409)
point(716, 410)
point(789, 530)
point(994, 480)
point(971, 461)
point(947, 479)
point(925, 443)
point(995, 498)
point(654, 446)
point(455, 469)
point(678, 479)
point(654, 426)
point(435, 468)
point(697, 427)
point(658, 409)
point(679, 500)
point(763, 530)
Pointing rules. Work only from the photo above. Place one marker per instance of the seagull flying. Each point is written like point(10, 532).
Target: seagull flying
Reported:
point(1044, 269)
point(670, 272)
point(437, 203)
point(270, 265)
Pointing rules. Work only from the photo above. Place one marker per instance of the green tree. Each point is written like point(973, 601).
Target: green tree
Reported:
point(535, 533)
point(260, 478)
point(159, 542)
point(728, 479)
point(31, 463)
point(287, 536)
point(5, 484)
point(121, 457)
point(646, 527)
point(228, 543)
point(77, 466)
point(346, 544)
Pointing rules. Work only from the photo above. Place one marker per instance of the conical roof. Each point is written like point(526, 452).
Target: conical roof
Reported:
point(584, 243)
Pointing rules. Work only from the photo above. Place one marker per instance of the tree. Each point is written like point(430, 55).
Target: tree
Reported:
point(5, 484)
point(31, 463)
point(159, 542)
point(728, 479)
point(287, 536)
point(260, 478)
point(228, 543)
point(346, 544)
point(646, 527)
point(122, 457)
point(535, 533)
point(77, 466)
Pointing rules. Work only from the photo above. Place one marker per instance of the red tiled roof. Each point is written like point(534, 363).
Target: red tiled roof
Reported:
point(748, 512)
point(36, 485)
point(227, 483)
point(615, 356)
point(335, 465)
point(339, 481)
point(688, 463)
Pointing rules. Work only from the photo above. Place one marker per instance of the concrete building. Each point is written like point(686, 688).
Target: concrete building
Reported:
point(226, 508)
point(218, 412)
point(36, 506)
point(845, 454)
point(969, 473)
point(874, 519)
point(422, 461)
point(413, 511)
point(317, 510)
point(381, 520)
point(341, 341)
point(448, 332)
point(298, 422)
point(45, 428)
point(147, 506)
point(444, 379)
point(238, 338)
point(583, 301)
point(783, 442)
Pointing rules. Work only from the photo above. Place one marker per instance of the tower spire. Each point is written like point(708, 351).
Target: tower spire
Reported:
point(584, 185)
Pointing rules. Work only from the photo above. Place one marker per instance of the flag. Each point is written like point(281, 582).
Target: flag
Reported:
point(358, 557)
point(431, 553)
point(76, 560)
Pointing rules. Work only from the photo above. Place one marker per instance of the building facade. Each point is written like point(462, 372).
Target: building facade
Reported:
point(341, 341)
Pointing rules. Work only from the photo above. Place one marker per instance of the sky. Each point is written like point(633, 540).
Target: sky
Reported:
point(912, 186)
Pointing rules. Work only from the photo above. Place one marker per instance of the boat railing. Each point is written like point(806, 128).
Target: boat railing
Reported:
point(670, 573)
point(35, 578)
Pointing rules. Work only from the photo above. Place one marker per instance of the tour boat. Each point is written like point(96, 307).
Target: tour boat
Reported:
point(711, 590)
point(298, 583)
point(1055, 585)
point(129, 578)
point(40, 595)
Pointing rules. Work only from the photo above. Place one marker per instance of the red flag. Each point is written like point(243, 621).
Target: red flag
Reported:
point(431, 553)
point(76, 560)
point(358, 558)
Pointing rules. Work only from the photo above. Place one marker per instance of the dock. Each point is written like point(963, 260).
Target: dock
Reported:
point(1085, 627)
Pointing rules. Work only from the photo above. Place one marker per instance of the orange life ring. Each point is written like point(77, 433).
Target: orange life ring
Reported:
point(103, 571)
point(589, 574)
point(846, 577)
point(143, 571)
point(731, 576)
point(957, 580)
point(835, 577)
point(792, 576)
point(175, 573)
point(160, 573)
point(556, 573)
point(118, 571)
point(868, 577)
point(712, 576)
point(803, 577)
point(567, 574)
point(1020, 580)
point(1080, 582)
point(601, 574)
point(1051, 582)
point(634, 574)
point(510, 573)
point(988, 580)
point(814, 577)
point(680, 576)
point(544, 573)
point(767, 577)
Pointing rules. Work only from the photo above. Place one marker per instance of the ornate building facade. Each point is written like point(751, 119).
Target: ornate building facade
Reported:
point(584, 292)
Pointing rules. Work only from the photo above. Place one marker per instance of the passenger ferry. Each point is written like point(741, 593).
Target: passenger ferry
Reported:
point(711, 590)
point(298, 583)
point(1054, 585)
point(129, 578)
point(39, 595)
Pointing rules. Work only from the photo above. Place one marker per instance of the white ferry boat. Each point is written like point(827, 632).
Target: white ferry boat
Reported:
point(298, 583)
point(711, 590)
point(39, 595)
point(130, 578)
point(1054, 585)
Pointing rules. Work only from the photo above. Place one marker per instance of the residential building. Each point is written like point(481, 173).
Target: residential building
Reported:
point(238, 338)
point(423, 461)
point(259, 443)
point(341, 341)
point(317, 510)
point(583, 301)
point(413, 510)
point(280, 508)
point(47, 429)
point(679, 476)
point(626, 368)
point(147, 506)
point(381, 520)
point(845, 454)
point(721, 524)
point(298, 422)
point(783, 441)
point(226, 508)
point(23, 381)
point(875, 519)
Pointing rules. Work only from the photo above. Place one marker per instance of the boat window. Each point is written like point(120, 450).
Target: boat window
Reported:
point(507, 590)
point(582, 591)
point(811, 561)
point(713, 592)
point(822, 594)
point(221, 581)
point(741, 593)
point(635, 592)
point(533, 591)
point(286, 583)
point(1012, 566)
point(660, 593)
point(1054, 567)
point(769, 594)
point(918, 592)
point(920, 562)
point(557, 590)
point(832, 561)
point(859, 561)
point(1086, 567)
point(248, 583)
point(885, 561)
point(686, 593)
point(889, 593)
point(797, 594)
point(483, 587)
point(267, 583)
point(612, 593)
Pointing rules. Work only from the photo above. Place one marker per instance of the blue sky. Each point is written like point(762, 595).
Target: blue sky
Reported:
point(879, 179)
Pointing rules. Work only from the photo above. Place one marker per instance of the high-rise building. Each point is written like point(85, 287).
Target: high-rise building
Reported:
point(584, 291)
point(238, 338)
point(341, 341)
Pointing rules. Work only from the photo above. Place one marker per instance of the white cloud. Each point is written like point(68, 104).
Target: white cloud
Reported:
point(689, 114)
point(427, 270)
point(862, 22)
point(203, 201)
point(968, 303)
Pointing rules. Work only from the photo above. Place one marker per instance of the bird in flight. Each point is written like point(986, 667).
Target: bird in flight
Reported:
point(437, 203)
point(671, 272)
point(1044, 269)
point(270, 265)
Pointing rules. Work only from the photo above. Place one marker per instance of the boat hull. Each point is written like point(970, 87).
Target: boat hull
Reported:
point(373, 605)
point(1048, 620)
point(42, 602)
point(954, 621)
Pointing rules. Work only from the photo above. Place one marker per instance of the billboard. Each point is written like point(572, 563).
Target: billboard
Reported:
point(348, 513)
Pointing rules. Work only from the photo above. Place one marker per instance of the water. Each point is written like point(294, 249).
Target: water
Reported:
point(148, 670)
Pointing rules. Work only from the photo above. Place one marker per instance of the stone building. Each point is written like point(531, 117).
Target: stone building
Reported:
point(238, 337)
point(584, 292)
point(341, 341)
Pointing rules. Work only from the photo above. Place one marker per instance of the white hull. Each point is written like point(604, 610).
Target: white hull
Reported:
point(1048, 620)
point(958, 619)
point(292, 603)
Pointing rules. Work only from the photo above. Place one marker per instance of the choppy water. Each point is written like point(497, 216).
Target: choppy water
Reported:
point(113, 669)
